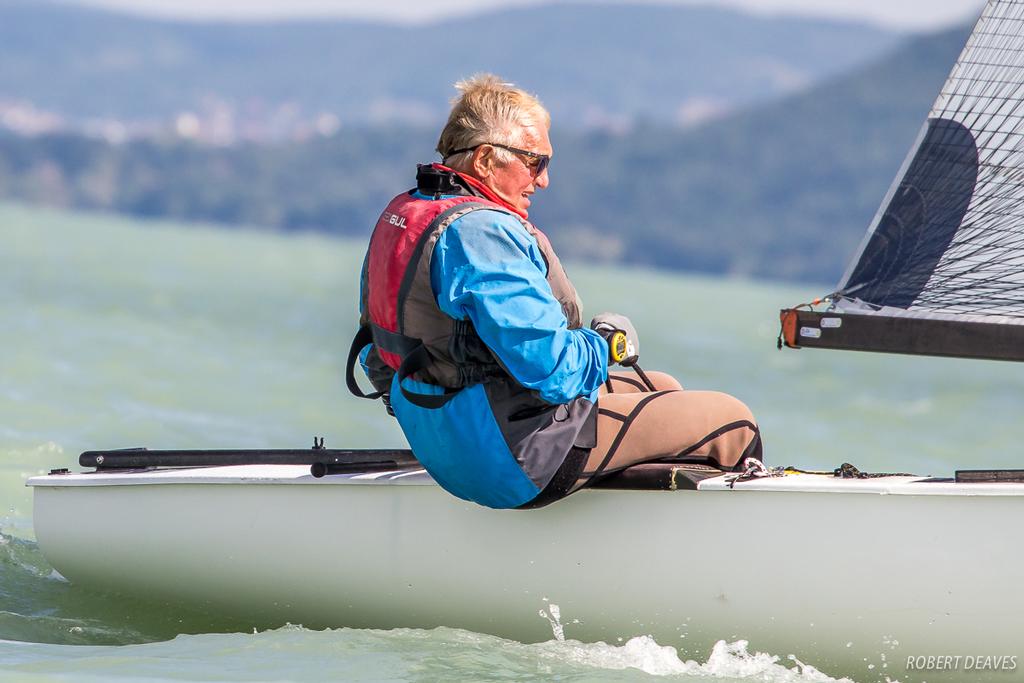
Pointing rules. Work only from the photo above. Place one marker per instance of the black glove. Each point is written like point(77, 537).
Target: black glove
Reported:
point(623, 343)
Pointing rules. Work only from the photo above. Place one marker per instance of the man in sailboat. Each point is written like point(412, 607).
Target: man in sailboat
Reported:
point(472, 330)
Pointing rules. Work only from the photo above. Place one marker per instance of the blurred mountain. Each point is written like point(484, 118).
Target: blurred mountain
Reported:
point(784, 190)
point(597, 65)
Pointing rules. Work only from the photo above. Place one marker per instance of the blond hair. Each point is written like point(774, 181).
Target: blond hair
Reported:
point(489, 110)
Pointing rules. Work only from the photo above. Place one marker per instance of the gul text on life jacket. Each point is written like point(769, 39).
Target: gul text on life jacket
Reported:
point(394, 219)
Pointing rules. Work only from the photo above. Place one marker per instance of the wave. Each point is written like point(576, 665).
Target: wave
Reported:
point(299, 654)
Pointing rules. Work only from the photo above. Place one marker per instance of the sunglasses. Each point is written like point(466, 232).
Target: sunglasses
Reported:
point(537, 162)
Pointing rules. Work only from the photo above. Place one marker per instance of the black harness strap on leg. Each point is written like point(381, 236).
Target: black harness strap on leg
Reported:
point(753, 449)
point(627, 380)
point(612, 414)
point(621, 434)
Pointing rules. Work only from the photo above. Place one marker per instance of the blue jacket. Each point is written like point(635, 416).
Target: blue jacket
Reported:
point(488, 269)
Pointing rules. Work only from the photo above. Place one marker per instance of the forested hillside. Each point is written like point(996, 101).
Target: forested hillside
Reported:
point(785, 190)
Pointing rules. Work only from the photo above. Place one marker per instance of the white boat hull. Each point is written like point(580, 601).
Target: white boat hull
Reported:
point(851, 576)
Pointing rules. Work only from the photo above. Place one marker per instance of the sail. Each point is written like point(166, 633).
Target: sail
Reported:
point(944, 255)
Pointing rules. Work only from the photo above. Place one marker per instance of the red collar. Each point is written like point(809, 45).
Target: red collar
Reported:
point(481, 188)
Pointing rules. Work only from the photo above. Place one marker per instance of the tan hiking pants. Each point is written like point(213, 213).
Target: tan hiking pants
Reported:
point(635, 424)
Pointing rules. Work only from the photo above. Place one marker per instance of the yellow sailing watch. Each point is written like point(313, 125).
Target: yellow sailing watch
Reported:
point(617, 346)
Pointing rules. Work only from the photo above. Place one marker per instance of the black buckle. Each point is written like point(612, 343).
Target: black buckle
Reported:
point(433, 181)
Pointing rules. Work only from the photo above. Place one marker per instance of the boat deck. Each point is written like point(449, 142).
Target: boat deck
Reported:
point(300, 475)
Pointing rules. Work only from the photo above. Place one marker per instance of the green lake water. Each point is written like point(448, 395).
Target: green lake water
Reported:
point(116, 334)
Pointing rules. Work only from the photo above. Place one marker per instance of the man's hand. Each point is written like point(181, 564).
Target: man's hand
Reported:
point(618, 331)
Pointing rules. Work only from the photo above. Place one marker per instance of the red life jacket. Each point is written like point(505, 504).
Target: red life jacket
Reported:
point(400, 315)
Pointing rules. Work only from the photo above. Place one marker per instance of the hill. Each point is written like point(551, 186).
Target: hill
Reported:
point(593, 64)
point(784, 190)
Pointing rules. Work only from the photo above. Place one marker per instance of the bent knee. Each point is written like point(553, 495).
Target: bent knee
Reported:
point(731, 409)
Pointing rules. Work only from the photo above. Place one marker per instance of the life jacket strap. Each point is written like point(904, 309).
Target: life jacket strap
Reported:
point(419, 359)
point(392, 342)
point(414, 358)
point(363, 337)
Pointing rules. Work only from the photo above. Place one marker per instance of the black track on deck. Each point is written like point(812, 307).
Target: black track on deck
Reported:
point(141, 458)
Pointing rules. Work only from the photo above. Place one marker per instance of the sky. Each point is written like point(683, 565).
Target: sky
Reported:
point(918, 15)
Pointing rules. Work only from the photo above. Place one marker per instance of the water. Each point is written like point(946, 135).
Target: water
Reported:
point(116, 334)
